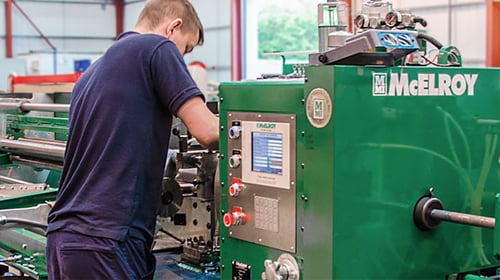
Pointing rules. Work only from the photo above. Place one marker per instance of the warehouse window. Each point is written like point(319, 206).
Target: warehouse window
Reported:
point(277, 26)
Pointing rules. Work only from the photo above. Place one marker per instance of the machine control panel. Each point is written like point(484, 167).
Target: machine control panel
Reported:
point(236, 187)
point(235, 160)
point(235, 218)
point(261, 174)
point(235, 130)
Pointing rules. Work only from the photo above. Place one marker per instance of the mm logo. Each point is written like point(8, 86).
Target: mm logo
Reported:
point(379, 84)
point(266, 125)
point(319, 109)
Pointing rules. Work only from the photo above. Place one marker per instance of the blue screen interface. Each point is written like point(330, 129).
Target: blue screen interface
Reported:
point(267, 152)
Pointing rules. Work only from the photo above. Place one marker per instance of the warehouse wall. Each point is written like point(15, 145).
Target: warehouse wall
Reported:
point(80, 31)
point(77, 31)
point(215, 52)
point(88, 29)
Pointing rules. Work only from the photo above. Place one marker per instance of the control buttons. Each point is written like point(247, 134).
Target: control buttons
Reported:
point(235, 132)
point(235, 161)
point(235, 218)
point(235, 189)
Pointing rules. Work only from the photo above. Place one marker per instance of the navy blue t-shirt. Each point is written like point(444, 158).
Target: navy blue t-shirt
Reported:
point(120, 120)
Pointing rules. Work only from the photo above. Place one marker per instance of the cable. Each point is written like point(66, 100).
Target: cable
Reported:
point(434, 63)
point(431, 39)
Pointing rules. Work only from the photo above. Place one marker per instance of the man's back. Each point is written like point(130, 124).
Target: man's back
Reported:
point(120, 118)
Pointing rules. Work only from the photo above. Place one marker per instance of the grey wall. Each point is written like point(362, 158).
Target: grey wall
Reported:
point(215, 52)
point(78, 29)
point(88, 28)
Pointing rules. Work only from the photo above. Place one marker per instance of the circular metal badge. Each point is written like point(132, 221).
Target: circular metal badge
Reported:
point(319, 107)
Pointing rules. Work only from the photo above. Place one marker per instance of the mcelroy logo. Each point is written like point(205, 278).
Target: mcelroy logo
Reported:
point(266, 125)
point(399, 84)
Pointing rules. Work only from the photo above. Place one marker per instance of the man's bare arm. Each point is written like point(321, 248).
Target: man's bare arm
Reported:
point(200, 122)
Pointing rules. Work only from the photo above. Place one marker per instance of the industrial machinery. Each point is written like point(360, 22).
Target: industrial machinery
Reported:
point(187, 213)
point(375, 165)
point(32, 145)
point(34, 128)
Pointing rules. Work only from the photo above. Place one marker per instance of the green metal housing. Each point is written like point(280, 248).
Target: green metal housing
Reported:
point(394, 134)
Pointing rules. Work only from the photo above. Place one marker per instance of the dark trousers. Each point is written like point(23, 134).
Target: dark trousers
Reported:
point(75, 256)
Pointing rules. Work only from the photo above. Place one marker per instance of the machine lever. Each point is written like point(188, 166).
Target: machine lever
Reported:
point(429, 213)
point(461, 218)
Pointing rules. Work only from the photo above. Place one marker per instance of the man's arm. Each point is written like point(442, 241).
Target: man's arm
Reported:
point(200, 122)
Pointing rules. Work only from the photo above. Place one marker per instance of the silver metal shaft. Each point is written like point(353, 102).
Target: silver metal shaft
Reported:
point(10, 106)
point(37, 148)
point(26, 106)
point(43, 141)
point(461, 218)
point(40, 163)
point(45, 107)
point(13, 181)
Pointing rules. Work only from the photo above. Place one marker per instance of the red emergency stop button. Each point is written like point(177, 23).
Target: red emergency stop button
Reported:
point(234, 218)
point(235, 189)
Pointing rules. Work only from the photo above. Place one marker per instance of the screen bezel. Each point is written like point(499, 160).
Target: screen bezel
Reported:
point(261, 178)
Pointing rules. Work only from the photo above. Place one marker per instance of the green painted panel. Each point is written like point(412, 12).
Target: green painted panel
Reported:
point(252, 96)
point(28, 200)
point(394, 133)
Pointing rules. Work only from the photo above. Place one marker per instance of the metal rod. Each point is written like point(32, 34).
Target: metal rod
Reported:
point(461, 218)
point(26, 106)
point(37, 148)
point(33, 25)
point(13, 181)
point(45, 107)
point(43, 141)
point(36, 163)
point(10, 106)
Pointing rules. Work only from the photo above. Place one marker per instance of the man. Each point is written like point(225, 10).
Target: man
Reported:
point(102, 224)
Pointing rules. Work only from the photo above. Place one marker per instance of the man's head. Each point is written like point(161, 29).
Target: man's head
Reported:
point(174, 19)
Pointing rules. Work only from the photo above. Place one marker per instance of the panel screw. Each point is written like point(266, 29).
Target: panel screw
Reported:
point(221, 99)
point(304, 198)
point(302, 165)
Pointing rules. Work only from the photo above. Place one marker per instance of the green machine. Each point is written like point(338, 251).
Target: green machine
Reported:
point(34, 128)
point(369, 167)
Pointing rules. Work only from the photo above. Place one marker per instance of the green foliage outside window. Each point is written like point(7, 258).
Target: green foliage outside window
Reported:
point(281, 30)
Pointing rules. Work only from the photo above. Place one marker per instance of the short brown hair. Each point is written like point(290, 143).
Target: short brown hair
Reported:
point(155, 11)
